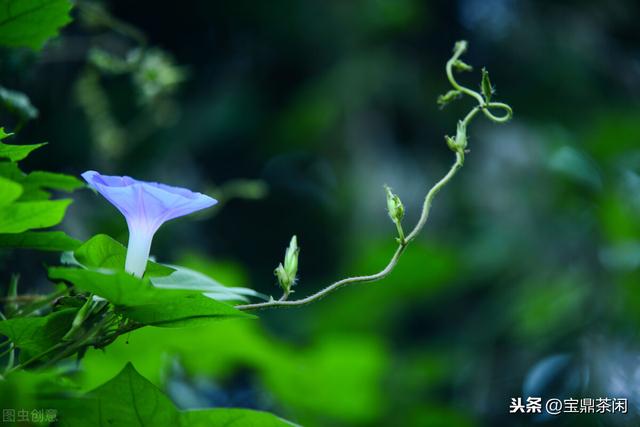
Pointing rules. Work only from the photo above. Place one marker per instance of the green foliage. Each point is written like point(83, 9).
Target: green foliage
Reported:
point(23, 216)
point(231, 417)
point(36, 335)
point(9, 191)
point(102, 251)
point(34, 183)
point(15, 153)
point(131, 400)
point(187, 279)
point(140, 301)
point(53, 181)
point(24, 205)
point(30, 23)
point(31, 389)
point(42, 240)
point(335, 378)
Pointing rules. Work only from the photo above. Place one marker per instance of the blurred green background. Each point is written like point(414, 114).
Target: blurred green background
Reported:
point(295, 113)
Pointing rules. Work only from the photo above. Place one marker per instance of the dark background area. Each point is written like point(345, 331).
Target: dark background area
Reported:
point(524, 281)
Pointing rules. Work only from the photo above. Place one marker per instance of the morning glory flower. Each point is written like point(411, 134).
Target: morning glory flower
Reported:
point(145, 206)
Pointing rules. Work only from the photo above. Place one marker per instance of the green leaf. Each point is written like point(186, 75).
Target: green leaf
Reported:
point(11, 170)
point(18, 103)
point(101, 251)
point(33, 184)
point(34, 335)
point(178, 309)
point(30, 23)
point(41, 240)
point(32, 194)
point(131, 400)
point(186, 279)
point(140, 301)
point(118, 287)
point(15, 153)
point(22, 216)
point(53, 181)
point(9, 191)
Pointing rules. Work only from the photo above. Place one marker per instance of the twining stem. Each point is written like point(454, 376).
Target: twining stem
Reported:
point(459, 147)
point(402, 239)
point(428, 201)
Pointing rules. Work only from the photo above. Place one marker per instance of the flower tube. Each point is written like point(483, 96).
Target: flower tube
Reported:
point(145, 206)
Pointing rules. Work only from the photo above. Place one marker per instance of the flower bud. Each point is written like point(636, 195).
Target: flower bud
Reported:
point(448, 97)
point(286, 273)
point(394, 206)
point(460, 47)
point(291, 258)
point(461, 136)
point(487, 89)
point(451, 142)
point(396, 212)
point(283, 277)
point(462, 66)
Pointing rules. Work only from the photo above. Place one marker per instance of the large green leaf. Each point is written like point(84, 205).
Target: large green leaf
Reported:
point(22, 216)
point(126, 400)
point(131, 400)
point(140, 301)
point(177, 309)
point(41, 240)
point(101, 251)
point(9, 191)
point(30, 23)
point(53, 181)
point(34, 335)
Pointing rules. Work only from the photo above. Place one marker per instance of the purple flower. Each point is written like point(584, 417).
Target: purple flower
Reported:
point(146, 206)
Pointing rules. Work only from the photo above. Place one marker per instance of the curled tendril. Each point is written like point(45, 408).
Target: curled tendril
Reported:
point(508, 112)
point(485, 106)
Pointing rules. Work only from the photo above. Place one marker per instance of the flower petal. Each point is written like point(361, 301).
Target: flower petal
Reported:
point(147, 204)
